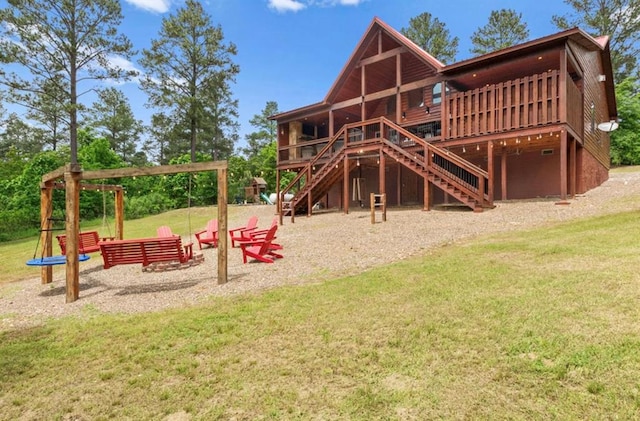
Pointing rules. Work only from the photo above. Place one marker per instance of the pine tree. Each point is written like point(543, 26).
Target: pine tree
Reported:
point(114, 119)
point(66, 42)
point(432, 36)
point(266, 133)
point(188, 72)
point(504, 29)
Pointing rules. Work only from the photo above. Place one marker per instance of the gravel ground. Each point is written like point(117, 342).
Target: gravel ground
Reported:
point(322, 247)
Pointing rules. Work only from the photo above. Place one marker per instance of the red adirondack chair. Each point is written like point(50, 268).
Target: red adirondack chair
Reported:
point(209, 235)
point(260, 234)
point(262, 249)
point(241, 233)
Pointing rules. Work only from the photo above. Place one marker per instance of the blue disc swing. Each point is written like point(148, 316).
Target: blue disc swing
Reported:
point(50, 260)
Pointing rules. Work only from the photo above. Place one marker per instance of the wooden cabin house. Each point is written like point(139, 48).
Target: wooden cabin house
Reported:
point(524, 122)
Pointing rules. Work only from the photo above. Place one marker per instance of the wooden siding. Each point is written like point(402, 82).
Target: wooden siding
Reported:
point(414, 69)
point(594, 140)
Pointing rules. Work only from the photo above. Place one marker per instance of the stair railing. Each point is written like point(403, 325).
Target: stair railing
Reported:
point(468, 177)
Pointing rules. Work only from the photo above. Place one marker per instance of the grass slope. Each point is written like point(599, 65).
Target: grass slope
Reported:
point(539, 324)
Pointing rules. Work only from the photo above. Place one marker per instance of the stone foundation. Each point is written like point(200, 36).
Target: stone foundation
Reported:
point(198, 258)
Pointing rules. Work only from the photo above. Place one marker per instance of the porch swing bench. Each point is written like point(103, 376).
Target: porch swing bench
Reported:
point(89, 242)
point(142, 250)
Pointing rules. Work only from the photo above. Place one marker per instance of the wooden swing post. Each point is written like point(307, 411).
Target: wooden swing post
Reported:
point(378, 201)
point(46, 211)
point(72, 177)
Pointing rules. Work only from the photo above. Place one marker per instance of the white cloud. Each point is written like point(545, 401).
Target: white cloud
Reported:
point(157, 6)
point(283, 6)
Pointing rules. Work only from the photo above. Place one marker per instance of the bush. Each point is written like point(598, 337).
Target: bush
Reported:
point(150, 204)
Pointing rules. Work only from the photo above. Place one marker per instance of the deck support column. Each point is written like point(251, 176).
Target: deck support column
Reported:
point(399, 185)
point(426, 202)
point(278, 198)
point(345, 185)
point(491, 170)
point(503, 170)
point(72, 176)
point(573, 167)
point(563, 165)
point(382, 182)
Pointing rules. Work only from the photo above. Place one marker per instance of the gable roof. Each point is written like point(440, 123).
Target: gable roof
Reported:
point(370, 34)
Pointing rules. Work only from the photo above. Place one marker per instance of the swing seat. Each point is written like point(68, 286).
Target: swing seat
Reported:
point(89, 242)
point(54, 260)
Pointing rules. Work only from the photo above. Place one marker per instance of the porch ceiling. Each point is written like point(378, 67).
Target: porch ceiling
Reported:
point(492, 73)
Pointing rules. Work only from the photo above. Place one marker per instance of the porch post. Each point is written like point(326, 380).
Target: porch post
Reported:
point(398, 95)
point(563, 165)
point(444, 117)
point(573, 167)
point(278, 198)
point(363, 81)
point(399, 185)
point(382, 174)
point(345, 184)
point(503, 176)
point(490, 170)
point(426, 206)
point(331, 130)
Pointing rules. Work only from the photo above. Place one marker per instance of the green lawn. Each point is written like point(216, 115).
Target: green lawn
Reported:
point(540, 324)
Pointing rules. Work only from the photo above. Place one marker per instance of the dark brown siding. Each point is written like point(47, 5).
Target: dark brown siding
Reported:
point(594, 141)
point(593, 172)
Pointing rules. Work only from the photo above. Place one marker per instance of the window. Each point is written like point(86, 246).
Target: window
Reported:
point(437, 93)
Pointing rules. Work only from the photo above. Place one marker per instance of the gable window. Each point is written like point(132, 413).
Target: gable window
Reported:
point(437, 94)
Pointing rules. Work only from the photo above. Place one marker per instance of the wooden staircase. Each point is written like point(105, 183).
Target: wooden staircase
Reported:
point(443, 169)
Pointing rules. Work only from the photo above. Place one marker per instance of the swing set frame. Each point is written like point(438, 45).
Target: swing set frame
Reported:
point(72, 174)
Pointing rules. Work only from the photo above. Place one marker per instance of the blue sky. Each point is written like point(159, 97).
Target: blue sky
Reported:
point(291, 51)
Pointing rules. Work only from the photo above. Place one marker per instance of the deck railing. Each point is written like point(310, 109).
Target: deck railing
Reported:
point(519, 103)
